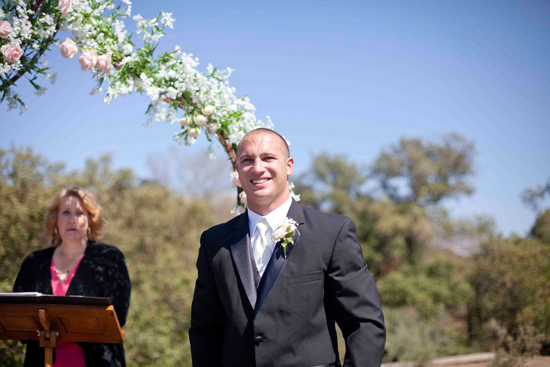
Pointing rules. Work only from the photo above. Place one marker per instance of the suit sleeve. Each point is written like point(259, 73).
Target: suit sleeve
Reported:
point(207, 316)
point(356, 303)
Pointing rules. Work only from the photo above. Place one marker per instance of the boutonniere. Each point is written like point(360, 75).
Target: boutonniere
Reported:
point(284, 232)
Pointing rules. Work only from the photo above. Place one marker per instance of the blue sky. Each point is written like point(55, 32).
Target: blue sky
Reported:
point(342, 77)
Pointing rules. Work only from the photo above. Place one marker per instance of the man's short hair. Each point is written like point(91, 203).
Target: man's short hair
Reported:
point(286, 149)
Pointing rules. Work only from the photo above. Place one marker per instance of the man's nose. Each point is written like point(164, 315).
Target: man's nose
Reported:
point(257, 167)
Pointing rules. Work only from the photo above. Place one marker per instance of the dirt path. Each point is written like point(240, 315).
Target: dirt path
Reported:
point(473, 360)
point(531, 362)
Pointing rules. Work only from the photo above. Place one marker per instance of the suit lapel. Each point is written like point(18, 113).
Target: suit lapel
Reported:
point(240, 250)
point(277, 261)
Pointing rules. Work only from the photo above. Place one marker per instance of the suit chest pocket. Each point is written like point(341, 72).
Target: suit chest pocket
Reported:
point(305, 278)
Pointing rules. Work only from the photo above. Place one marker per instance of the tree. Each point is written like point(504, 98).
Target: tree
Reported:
point(193, 174)
point(391, 234)
point(511, 284)
point(157, 230)
point(332, 183)
point(425, 172)
point(534, 196)
point(541, 228)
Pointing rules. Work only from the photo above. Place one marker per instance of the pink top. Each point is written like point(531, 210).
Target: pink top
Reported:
point(66, 354)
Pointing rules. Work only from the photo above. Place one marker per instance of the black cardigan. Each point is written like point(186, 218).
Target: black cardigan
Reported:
point(101, 273)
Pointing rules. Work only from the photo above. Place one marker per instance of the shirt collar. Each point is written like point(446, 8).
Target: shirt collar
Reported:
point(273, 218)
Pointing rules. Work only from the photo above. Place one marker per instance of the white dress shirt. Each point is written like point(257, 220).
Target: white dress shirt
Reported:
point(273, 219)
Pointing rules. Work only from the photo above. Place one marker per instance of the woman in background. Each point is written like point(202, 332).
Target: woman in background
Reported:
point(77, 264)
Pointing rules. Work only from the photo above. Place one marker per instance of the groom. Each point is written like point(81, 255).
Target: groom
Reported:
point(257, 304)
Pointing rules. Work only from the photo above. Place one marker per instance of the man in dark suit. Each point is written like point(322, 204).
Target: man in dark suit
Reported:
point(258, 304)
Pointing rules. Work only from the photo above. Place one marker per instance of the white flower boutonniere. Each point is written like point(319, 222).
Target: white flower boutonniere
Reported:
point(284, 232)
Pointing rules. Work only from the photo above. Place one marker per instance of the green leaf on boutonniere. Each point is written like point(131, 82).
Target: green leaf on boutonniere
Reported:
point(284, 233)
point(286, 242)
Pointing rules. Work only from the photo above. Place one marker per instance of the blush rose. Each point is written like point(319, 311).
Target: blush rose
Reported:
point(4, 29)
point(88, 59)
point(235, 179)
point(104, 63)
point(11, 53)
point(65, 7)
point(68, 48)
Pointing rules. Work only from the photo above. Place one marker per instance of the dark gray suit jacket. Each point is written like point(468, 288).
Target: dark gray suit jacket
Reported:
point(289, 320)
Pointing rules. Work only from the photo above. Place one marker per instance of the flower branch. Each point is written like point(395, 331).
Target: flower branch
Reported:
point(201, 103)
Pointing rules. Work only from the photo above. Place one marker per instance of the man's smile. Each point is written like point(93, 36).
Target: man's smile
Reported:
point(260, 181)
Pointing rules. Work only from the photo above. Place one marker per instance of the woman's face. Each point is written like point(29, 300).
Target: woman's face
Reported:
point(72, 220)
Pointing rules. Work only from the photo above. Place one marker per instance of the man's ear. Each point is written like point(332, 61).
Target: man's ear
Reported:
point(289, 166)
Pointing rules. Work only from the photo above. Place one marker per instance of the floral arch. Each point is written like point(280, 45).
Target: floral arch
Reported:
point(202, 103)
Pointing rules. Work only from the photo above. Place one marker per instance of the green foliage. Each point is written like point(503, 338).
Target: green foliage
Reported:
point(392, 234)
point(332, 183)
point(511, 283)
point(157, 230)
point(435, 303)
point(27, 185)
point(508, 280)
point(535, 196)
point(431, 171)
point(411, 337)
point(429, 288)
point(541, 228)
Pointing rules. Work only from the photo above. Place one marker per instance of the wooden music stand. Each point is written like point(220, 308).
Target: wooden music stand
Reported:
point(50, 319)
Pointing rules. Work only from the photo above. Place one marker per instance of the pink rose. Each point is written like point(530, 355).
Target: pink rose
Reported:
point(242, 196)
point(11, 53)
point(237, 209)
point(235, 179)
point(4, 29)
point(68, 48)
point(88, 59)
point(65, 7)
point(104, 63)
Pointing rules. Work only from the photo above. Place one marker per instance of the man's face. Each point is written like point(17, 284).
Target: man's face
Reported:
point(263, 168)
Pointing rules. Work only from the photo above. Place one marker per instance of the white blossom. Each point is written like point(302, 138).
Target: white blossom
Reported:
point(167, 20)
point(200, 120)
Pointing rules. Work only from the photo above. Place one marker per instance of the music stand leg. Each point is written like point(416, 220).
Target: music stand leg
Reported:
point(47, 338)
point(48, 357)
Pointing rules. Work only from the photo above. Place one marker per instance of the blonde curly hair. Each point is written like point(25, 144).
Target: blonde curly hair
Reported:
point(95, 212)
